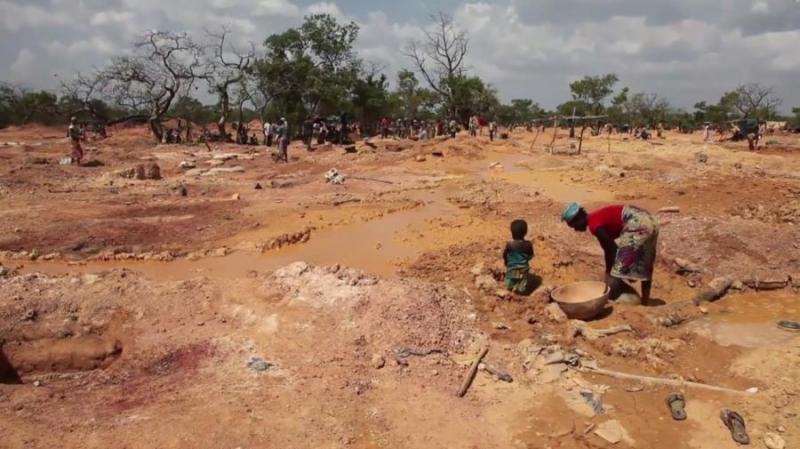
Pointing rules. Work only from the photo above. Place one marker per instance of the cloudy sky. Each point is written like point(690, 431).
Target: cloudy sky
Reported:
point(686, 50)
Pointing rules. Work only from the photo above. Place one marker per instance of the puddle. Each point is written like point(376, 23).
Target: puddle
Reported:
point(370, 246)
point(750, 320)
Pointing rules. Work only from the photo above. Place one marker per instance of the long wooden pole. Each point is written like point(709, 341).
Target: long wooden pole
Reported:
point(472, 371)
point(535, 137)
point(659, 380)
point(555, 131)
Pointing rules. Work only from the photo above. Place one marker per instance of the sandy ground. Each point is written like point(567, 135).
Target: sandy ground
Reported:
point(240, 303)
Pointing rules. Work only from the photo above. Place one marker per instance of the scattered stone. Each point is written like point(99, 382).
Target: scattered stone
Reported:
point(555, 313)
point(737, 165)
point(187, 165)
point(485, 282)
point(685, 266)
point(140, 172)
point(378, 361)
point(153, 172)
point(501, 326)
point(37, 383)
point(691, 283)
point(236, 197)
point(773, 283)
point(774, 441)
point(350, 149)
point(613, 432)
point(219, 170)
point(182, 191)
point(738, 285)
point(752, 390)
point(479, 269)
point(437, 153)
point(30, 315)
point(259, 364)
point(714, 290)
point(258, 187)
point(701, 157)
point(225, 156)
point(420, 158)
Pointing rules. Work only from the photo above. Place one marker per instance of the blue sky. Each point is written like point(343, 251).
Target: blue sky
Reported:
point(685, 50)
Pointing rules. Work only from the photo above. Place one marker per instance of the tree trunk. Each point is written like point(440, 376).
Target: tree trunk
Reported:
point(156, 128)
point(224, 100)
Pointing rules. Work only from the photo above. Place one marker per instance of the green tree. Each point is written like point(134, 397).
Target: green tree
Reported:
point(311, 69)
point(593, 90)
point(371, 100)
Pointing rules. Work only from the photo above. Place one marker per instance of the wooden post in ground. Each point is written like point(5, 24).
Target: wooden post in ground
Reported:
point(535, 137)
point(580, 140)
point(609, 141)
point(555, 131)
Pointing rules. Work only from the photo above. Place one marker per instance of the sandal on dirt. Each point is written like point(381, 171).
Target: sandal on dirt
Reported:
point(677, 406)
point(735, 423)
point(789, 325)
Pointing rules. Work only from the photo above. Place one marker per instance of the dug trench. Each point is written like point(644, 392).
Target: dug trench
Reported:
point(365, 342)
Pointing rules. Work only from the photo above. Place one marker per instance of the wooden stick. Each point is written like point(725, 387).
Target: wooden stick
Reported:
point(659, 380)
point(472, 371)
point(535, 137)
point(580, 142)
point(555, 131)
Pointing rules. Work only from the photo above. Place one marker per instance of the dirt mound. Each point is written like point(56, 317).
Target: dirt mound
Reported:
point(395, 315)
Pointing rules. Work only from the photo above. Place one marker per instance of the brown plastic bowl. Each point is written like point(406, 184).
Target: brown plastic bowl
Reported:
point(581, 300)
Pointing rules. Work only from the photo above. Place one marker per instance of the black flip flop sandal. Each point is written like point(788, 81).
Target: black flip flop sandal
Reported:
point(735, 423)
point(789, 325)
point(677, 406)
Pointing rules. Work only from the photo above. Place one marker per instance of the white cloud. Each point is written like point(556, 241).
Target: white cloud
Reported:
point(22, 66)
point(14, 17)
point(687, 50)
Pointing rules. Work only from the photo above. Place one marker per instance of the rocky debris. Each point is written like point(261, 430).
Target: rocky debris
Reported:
point(496, 166)
point(485, 283)
point(610, 172)
point(424, 317)
point(768, 283)
point(142, 172)
point(225, 156)
point(259, 364)
point(333, 176)
point(774, 441)
point(555, 313)
point(613, 432)
point(287, 240)
point(276, 184)
point(350, 149)
point(581, 328)
point(187, 165)
point(222, 170)
point(420, 158)
point(258, 187)
point(701, 157)
point(30, 315)
point(378, 361)
point(652, 350)
point(684, 266)
point(714, 290)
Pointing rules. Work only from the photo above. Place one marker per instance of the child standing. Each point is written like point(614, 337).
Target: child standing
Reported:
point(517, 256)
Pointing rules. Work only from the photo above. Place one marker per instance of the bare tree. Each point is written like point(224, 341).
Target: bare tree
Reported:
point(226, 67)
point(439, 57)
point(164, 66)
point(755, 101)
